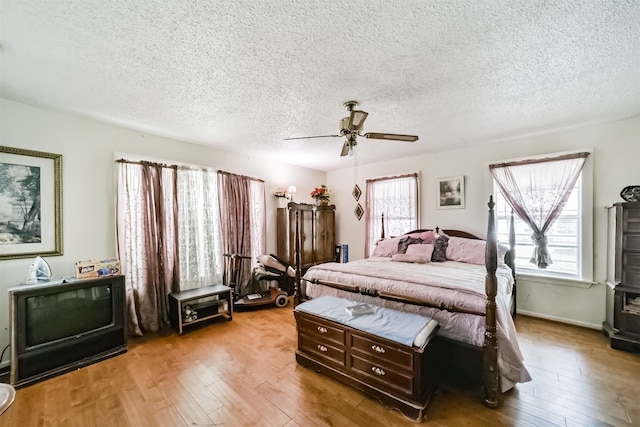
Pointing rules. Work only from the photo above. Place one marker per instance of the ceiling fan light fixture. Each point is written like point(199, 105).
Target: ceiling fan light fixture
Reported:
point(351, 127)
point(356, 119)
point(349, 144)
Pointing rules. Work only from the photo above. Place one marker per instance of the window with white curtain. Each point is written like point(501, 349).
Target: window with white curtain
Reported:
point(564, 237)
point(200, 252)
point(564, 229)
point(397, 199)
point(258, 219)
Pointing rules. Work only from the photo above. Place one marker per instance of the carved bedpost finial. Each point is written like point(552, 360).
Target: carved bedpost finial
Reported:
point(491, 203)
point(382, 232)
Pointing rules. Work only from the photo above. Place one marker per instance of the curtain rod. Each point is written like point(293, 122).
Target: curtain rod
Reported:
point(386, 178)
point(241, 176)
point(541, 160)
point(145, 162)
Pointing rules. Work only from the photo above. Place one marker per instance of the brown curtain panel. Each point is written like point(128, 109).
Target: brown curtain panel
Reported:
point(148, 241)
point(234, 195)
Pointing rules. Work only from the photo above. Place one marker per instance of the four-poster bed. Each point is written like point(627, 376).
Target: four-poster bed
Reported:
point(472, 303)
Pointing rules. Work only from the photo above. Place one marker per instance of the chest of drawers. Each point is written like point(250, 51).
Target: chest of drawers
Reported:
point(399, 376)
point(623, 277)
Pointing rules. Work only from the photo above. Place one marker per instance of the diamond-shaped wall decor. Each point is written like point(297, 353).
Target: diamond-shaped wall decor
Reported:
point(356, 193)
point(359, 211)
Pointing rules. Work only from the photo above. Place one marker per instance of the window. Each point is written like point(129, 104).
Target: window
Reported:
point(200, 253)
point(564, 237)
point(397, 199)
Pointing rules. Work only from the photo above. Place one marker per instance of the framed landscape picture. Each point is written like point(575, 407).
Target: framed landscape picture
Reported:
point(451, 192)
point(30, 203)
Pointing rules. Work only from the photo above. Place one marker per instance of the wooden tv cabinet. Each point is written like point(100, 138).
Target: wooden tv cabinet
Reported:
point(399, 376)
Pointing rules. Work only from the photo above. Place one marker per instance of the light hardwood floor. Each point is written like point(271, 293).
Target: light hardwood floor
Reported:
point(243, 373)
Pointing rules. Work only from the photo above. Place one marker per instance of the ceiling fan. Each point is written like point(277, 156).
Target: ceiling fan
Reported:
point(351, 128)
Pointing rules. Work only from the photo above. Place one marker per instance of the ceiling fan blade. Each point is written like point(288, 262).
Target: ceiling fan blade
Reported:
point(391, 136)
point(345, 149)
point(309, 137)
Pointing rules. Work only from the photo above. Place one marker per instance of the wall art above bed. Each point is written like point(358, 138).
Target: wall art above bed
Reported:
point(450, 192)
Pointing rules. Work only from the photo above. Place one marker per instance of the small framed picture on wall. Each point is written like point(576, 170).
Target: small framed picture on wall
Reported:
point(450, 192)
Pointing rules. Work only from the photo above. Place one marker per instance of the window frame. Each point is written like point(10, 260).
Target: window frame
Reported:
point(585, 248)
point(374, 216)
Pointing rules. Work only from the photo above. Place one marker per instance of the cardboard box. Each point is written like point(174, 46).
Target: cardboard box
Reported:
point(93, 268)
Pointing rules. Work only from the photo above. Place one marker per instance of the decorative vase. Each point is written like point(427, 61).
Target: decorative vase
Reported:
point(323, 202)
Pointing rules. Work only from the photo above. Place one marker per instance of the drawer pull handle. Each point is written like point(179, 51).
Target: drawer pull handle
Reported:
point(322, 329)
point(378, 371)
point(378, 349)
point(322, 348)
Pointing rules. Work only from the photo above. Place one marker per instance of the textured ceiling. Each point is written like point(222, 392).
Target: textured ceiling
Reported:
point(243, 75)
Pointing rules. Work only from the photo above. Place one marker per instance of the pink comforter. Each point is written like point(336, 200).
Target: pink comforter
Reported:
point(449, 283)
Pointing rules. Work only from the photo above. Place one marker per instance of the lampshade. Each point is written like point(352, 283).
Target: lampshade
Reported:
point(291, 191)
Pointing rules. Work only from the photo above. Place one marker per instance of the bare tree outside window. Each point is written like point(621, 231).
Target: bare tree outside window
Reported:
point(19, 204)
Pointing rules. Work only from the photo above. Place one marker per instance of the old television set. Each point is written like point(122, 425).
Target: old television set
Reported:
point(64, 325)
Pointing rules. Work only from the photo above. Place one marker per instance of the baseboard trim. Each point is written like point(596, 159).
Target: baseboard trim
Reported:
point(597, 326)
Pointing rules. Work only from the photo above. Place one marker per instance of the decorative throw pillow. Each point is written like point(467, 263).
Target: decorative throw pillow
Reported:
point(421, 250)
point(440, 248)
point(405, 242)
point(386, 247)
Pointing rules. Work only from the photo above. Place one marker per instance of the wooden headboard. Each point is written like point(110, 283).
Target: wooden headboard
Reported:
point(448, 232)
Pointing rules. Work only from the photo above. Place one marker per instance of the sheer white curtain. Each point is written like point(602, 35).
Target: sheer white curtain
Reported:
point(199, 228)
point(258, 219)
point(537, 191)
point(395, 197)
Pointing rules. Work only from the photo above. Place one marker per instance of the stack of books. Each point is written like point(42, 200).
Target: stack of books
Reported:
point(358, 309)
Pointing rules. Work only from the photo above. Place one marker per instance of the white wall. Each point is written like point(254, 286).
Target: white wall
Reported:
point(615, 163)
point(89, 185)
point(89, 182)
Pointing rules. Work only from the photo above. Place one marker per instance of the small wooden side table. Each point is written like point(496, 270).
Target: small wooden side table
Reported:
point(197, 305)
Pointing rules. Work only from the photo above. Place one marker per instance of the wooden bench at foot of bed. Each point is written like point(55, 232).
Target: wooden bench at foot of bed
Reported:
point(401, 377)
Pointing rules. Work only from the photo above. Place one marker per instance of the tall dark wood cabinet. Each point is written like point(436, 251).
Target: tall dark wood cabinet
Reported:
point(317, 229)
point(623, 277)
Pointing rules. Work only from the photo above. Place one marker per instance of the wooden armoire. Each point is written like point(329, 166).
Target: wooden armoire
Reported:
point(317, 230)
point(623, 277)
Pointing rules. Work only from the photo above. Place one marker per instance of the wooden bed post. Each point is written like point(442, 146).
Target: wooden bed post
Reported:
point(512, 263)
point(296, 256)
point(490, 353)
